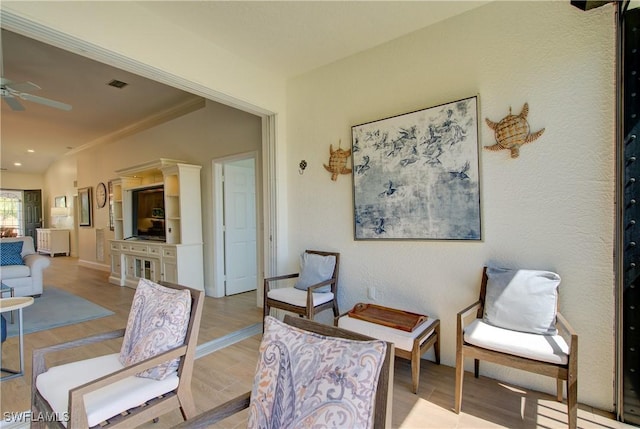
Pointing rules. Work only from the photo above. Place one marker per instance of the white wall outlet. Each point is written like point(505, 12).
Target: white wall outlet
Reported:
point(371, 293)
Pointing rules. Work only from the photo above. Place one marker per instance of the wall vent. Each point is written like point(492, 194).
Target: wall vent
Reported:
point(117, 84)
point(100, 244)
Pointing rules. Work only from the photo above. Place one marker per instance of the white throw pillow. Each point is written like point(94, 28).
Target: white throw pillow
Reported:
point(522, 300)
point(315, 269)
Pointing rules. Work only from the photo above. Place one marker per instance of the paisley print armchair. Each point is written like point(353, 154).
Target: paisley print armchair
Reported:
point(313, 375)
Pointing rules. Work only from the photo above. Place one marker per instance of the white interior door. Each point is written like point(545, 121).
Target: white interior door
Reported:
point(240, 226)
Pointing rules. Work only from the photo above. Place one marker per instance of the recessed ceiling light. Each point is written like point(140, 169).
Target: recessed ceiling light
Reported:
point(30, 150)
point(17, 164)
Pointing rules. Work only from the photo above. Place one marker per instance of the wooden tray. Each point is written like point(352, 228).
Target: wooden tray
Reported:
point(397, 319)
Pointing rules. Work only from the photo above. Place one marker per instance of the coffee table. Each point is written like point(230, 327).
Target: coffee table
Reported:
point(11, 304)
point(409, 343)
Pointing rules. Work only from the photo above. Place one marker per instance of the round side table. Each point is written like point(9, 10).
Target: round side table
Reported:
point(11, 304)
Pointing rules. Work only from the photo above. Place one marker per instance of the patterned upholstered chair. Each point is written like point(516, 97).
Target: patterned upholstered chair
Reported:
point(314, 375)
point(149, 377)
point(516, 323)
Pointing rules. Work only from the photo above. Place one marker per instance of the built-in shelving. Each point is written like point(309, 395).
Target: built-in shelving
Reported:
point(180, 258)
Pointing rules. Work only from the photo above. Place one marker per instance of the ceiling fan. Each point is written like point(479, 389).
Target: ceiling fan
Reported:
point(12, 92)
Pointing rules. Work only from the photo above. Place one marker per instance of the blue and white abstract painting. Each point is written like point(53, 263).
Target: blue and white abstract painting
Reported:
point(415, 176)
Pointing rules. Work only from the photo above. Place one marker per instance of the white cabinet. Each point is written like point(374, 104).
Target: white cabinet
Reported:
point(178, 259)
point(52, 241)
point(132, 260)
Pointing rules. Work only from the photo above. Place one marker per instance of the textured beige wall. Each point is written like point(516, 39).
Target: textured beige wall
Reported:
point(551, 208)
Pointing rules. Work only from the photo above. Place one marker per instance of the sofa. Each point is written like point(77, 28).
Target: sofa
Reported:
point(21, 267)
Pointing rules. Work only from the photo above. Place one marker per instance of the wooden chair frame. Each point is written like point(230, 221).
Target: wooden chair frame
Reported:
point(567, 372)
point(308, 311)
point(384, 392)
point(180, 397)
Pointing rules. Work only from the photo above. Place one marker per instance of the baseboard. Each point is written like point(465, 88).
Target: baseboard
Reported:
point(94, 265)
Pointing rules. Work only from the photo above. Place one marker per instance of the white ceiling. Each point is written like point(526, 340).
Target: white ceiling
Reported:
point(286, 37)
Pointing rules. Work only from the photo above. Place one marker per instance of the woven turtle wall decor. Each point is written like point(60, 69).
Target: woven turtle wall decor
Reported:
point(337, 162)
point(512, 132)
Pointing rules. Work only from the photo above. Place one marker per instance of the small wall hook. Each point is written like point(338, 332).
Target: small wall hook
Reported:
point(302, 166)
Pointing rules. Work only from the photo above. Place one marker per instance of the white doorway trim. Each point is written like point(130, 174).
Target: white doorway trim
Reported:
point(218, 219)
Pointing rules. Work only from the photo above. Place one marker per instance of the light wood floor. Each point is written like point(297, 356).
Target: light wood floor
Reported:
point(226, 373)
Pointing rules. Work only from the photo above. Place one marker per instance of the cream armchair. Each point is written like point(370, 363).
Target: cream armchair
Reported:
point(24, 273)
point(515, 323)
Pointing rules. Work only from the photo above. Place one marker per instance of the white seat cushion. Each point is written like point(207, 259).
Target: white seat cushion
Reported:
point(546, 348)
point(14, 271)
point(104, 403)
point(400, 339)
point(298, 297)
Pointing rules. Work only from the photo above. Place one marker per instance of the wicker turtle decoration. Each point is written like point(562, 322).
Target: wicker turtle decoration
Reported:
point(337, 162)
point(512, 132)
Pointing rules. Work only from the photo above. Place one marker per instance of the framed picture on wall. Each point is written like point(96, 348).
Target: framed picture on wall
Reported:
point(60, 201)
point(110, 193)
point(416, 175)
point(84, 206)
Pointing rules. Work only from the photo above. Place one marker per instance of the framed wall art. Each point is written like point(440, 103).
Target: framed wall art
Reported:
point(60, 201)
point(416, 175)
point(110, 193)
point(84, 206)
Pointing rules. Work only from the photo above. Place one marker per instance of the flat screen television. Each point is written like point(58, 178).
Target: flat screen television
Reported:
point(148, 213)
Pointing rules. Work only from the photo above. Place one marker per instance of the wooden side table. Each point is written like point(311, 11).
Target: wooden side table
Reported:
point(408, 345)
point(11, 304)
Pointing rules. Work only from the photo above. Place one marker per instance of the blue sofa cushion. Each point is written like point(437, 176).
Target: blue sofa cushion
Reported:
point(10, 253)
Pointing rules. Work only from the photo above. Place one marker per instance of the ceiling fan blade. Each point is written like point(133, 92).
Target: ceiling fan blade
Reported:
point(47, 102)
point(13, 103)
point(23, 86)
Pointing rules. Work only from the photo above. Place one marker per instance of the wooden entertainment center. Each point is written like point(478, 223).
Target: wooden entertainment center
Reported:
point(176, 255)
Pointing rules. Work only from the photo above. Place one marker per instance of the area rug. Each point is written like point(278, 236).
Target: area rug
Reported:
point(55, 308)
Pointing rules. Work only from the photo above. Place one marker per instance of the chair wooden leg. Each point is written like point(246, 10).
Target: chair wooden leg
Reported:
point(572, 402)
point(36, 422)
point(187, 405)
point(436, 344)
point(459, 380)
point(559, 389)
point(476, 368)
point(415, 367)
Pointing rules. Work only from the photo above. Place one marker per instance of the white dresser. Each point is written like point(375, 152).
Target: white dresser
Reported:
point(53, 241)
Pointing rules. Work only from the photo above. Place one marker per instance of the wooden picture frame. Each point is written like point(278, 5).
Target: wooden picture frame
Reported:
point(416, 175)
point(84, 206)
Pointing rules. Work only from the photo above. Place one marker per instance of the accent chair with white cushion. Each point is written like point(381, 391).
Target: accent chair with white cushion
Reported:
point(315, 289)
point(21, 267)
point(149, 377)
point(516, 323)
